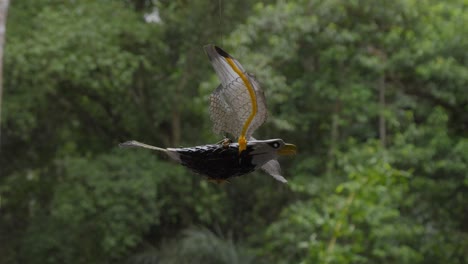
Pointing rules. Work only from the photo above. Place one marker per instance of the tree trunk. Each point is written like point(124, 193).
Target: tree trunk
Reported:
point(3, 18)
point(334, 135)
point(176, 120)
point(382, 126)
point(176, 130)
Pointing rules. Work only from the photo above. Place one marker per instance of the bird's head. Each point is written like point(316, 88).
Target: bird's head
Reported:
point(266, 150)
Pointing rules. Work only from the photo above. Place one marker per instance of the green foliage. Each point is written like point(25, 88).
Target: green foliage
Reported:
point(439, 165)
point(81, 76)
point(360, 222)
point(98, 210)
point(196, 245)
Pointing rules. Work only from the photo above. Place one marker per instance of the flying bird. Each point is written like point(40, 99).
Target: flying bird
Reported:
point(238, 108)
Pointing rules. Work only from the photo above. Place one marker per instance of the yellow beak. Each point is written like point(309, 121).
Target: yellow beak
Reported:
point(287, 150)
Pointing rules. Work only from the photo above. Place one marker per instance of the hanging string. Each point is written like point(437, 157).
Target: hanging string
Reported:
point(221, 22)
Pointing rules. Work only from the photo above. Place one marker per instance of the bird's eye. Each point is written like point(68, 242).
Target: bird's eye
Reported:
point(275, 145)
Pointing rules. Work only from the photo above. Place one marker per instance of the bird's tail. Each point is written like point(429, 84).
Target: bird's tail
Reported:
point(136, 144)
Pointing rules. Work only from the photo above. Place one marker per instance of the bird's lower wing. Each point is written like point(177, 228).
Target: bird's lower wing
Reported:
point(273, 168)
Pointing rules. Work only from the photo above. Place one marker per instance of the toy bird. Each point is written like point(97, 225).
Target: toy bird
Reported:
point(237, 107)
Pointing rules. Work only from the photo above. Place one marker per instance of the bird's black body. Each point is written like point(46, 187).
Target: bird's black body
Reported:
point(216, 161)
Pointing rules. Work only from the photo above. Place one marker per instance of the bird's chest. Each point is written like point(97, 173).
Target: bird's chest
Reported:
point(216, 161)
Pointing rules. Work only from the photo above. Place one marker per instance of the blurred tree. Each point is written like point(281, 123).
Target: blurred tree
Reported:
point(3, 18)
point(196, 245)
point(98, 211)
point(360, 222)
point(344, 72)
point(373, 93)
point(81, 77)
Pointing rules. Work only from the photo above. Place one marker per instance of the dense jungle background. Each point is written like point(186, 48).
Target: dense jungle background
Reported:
point(373, 93)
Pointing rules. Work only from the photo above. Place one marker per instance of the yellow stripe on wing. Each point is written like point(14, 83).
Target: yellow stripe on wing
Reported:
point(242, 139)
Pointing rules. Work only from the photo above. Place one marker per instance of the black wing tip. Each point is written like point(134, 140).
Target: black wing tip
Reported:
point(213, 49)
point(221, 52)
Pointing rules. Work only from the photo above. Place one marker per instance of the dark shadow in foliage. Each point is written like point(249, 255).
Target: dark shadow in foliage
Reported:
point(196, 245)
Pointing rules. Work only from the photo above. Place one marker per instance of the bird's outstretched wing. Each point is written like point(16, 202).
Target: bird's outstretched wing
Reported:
point(238, 105)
